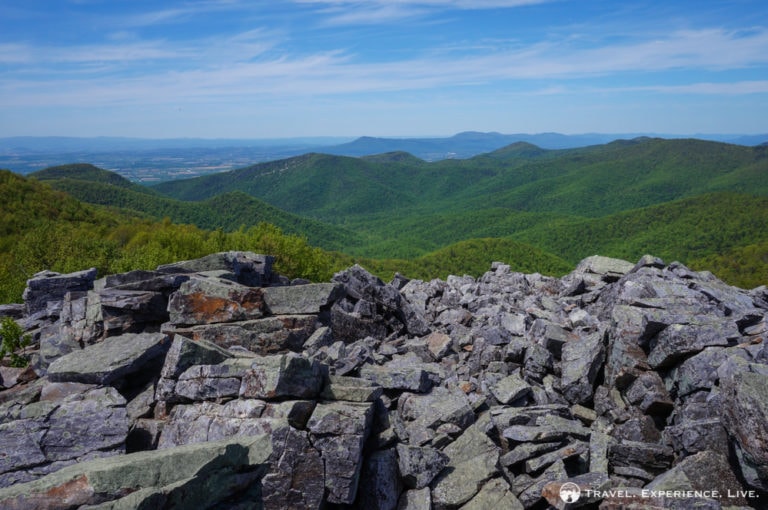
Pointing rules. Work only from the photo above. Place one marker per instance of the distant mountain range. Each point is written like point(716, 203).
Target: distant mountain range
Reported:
point(470, 143)
point(166, 159)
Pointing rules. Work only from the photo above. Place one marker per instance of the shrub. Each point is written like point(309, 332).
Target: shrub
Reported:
point(14, 340)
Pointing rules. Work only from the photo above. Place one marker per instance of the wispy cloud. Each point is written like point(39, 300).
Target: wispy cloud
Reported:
point(356, 12)
point(246, 65)
point(737, 88)
point(179, 14)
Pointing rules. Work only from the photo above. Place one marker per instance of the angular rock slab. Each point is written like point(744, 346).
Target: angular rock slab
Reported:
point(413, 378)
point(495, 495)
point(510, 389)
point(745, 416)
point(195, 475)
point(246, 267)
point(379, 482)
point(268, 335)
point(307, 299)
point(296, 475)
point(208, 421)
point(339, 431)
point(581, 363)
point(419, 466)
point(185, 353)
point(202, 300)
point(91, 422)
point(110, 360)
point(287, 375)
point(704, 471)
point(473, 460)
point(47, 286)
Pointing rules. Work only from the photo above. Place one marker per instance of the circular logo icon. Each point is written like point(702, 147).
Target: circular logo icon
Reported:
point(570, 492)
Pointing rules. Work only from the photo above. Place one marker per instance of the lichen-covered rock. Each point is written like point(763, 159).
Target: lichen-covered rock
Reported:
point(199, 475)
point(339, 430)
point(206, 300)
point(745, 416)
point(282, 376)
point(420, 465)
point(473, 459)
point(113, 359)
point(45, 291)
point(301, 299)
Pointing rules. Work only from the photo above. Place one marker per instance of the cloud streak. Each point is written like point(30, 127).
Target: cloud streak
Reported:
point(246, 66)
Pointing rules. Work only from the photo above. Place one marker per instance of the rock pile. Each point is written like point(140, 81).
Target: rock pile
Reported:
point(216, 383)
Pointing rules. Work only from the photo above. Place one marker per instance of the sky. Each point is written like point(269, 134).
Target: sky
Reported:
point(295, 68)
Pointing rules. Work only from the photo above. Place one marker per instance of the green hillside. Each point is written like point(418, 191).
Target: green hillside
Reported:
point(89, 173)
point(42, 228)
point(592, 181)
point(745, 266)
point(473, 257)
point(228, 211)
point(540, 210)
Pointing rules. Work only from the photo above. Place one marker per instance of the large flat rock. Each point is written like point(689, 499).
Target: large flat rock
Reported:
point(113, 359)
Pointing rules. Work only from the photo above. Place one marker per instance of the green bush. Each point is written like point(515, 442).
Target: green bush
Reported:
point(14, 340)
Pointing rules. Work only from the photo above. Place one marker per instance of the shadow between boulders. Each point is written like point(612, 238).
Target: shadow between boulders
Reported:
point(222, 482)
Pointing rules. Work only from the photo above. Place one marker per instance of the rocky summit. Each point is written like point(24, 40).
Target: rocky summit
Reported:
point(218, 384)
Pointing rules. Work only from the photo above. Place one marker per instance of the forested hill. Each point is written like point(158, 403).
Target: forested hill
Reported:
point(702, 203)
point(592, 181)
point(228, 211)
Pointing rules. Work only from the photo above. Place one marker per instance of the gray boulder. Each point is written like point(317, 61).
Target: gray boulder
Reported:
point(45, 291)
point(339, 430)
point(582, 360)
point(112, 360)
point(419, 465)
point(282, 376)
point(244, 267)
point(745, 416)
point(473, 460)
point(206, 300)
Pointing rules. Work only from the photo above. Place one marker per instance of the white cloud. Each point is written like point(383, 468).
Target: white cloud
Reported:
point(251, 66)
point(356, 12)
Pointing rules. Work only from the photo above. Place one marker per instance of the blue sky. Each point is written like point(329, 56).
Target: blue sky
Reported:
point(269, 69)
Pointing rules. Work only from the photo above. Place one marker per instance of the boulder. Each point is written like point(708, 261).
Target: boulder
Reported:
point(339, 430)
point(199, 475)
point(281, 376)
point(745, 416)
point(111, 360)
point(45, 291)
point(301, 299)
point(244, 267)
point(207, 300)
point(582, 360)
point(472, 460)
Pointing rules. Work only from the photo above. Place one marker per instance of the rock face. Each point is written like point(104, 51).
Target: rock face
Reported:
point(214, 383)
